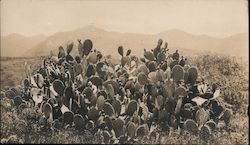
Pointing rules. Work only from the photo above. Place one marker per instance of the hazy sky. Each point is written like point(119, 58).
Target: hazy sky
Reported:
point(219, 18)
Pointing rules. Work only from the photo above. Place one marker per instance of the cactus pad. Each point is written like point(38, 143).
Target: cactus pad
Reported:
point(178, 106)
point(18, 101)
point(142, 78)
point(151, 66)
point(92, 58)
point(149, 55)
point(68, 117)
point(47, 110)
point(132, 107)
point(177, 73)
point(87, 45)
point(58, 86)
point(192, 75)
point(191, 126)
point(70, 47)
point(79, 121)
point(120, 50)
point(205, 133)
point(95, 80)
point(180, 91)
point(90, 71)
point(93, 114)
point(131, 128)
point(10, 94)
point(117, 105)
point(100, 102)
point(201, 116)
point(125, 60)
point(61, 52)
point(118, 126)
point(108, 109)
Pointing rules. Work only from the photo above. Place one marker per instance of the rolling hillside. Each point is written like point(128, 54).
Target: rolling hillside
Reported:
point(108, 42)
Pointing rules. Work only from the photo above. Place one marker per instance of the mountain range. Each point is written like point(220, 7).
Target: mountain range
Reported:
point(108, 42)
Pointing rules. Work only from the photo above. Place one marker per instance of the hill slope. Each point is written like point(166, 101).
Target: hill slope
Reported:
point(15, 44)
point(108, 42)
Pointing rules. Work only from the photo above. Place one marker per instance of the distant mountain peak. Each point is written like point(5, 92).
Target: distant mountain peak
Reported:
point(14, 35)
point(175, 31)
point(90, 28)
point(108, 41)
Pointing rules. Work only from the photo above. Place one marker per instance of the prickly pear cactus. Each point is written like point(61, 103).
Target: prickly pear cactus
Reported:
point(177, 73)
point(118, 126)
point(88, 91)
point(205, 133)
point(180, 92)
point(77, 69)
point(113, 83)
point(100, 102)
point(142, 78)
point(191, 126)
point(47, 110)
point(170, 87)
point(58, 86)
point(90, 125)
point(149, 55)
point(161, 57)
point(159, 101)
point(100, 69)
point(160, 75)
point(211, 124)
point(178, 106)
point(110, 90)
point(201, 116)
point(125, 60)
point(108, 109)
point(128, 52)
point(70, 47)
point(142, 68)
point(95, 80)
point(93, 114)
point(26, 83)
point(132, 107)
point(79, 121)
point(18, 101)
point(87, 46)
point(174, 63)
point(142, 131)
point(192, 75)
point(10, 94)
point(68, 117)
point(151, 66)
point(168, 73)
point(108, 122)
point(61, 52)
point(152, 77)
point(80, 48)
point(106, 136)
point(90, 71)
point(185, 77)
point(117, 105)
point(120, 50)
point(163, 114)
point(131, 128)
point(227, 116)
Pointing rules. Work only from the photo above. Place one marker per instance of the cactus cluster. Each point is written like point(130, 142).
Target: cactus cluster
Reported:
point(126, 102)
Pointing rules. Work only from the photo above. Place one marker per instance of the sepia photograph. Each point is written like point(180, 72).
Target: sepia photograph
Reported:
point(124, 72)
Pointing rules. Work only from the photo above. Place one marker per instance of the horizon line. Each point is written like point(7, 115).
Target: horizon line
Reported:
point(96, 27)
